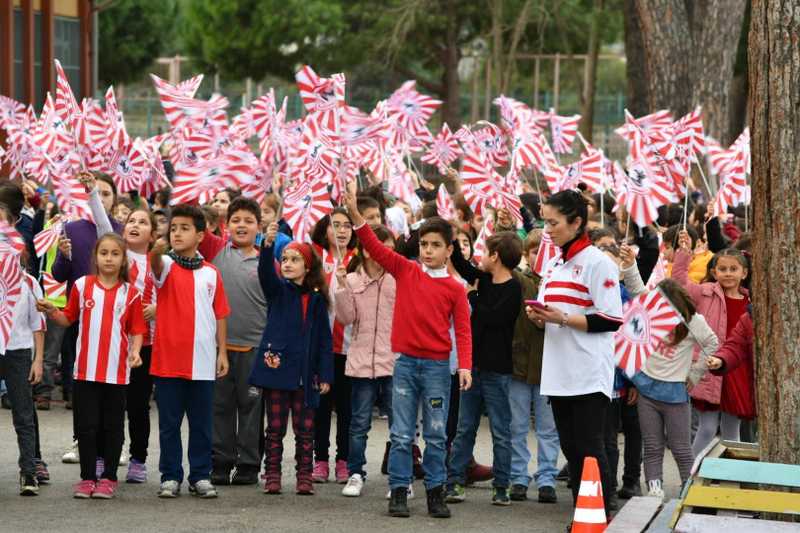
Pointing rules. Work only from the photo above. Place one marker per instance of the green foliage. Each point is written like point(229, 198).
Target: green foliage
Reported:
point(132, 34)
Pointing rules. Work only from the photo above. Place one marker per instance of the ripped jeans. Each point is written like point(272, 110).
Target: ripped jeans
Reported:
point(417, 380)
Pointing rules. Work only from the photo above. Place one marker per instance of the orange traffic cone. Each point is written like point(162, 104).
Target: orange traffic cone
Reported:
point(590, 512)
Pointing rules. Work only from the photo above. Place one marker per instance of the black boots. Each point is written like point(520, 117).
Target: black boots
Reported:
point(437, 508)
point(398, 503)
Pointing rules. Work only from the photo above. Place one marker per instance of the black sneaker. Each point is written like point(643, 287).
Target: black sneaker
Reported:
point(563, 474)
point(500, 496)
point(28, 486)
point(398, 503)
point(629, 491)
point(244, 475)
point(519, 493)
point(221, 475)
point(437, 508)
point(547, 495)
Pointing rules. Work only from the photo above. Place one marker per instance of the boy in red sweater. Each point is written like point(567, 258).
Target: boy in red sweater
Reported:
point(428, 301)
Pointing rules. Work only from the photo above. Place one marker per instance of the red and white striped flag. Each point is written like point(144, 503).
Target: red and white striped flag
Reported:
point(47, 238)
point(548, 251)
point(323, 98)
point(53, 289)
point(10, 293)
point(304, 205)
point(443, 151)
point(444, 204)
point(563, 131)
point(479, 250)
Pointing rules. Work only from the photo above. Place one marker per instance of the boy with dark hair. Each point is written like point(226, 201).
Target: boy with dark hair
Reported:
point(237, 423)
point(495, 307)
point(421, 335)
point(370, 209)
point(191, 320)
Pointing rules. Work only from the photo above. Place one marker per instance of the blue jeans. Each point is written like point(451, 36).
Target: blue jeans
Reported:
point(175, 398)
point(547, 445)
point(489, 389)
point(417, 380)
point(365, 394)
point(15, 367)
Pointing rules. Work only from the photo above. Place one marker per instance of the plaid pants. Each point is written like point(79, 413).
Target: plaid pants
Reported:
point(278, 403)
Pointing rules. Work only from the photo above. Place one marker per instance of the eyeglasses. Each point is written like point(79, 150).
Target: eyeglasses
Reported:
point(342, 225)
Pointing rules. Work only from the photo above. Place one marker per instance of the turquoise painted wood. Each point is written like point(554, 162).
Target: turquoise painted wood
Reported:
point(750, 472)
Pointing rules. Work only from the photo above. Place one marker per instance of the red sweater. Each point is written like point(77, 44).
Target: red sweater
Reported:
point(424, 307)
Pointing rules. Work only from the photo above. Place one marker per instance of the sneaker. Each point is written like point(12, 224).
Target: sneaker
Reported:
point(321, 472)
point(137, 472)
point(354, 486)
point(341, 472)
point(563, 474)
point(655, 490)
point(437, 508)
point(398, 503)
point(28, 485)
point(42, 474)
point(304, 487)
point(456, 493)
point(547, 495)
point(203, 489)
point(410, 493)
point(99, 467)
point(104, 489)
point(169, 489)
point(83, 489)
point(221, 475)
point(629, 491)
point(272, 485)
point(71, 456)
point(519, 493)
point(42, 403)
point(500, 496)
point(124, 457)
point(477, 472)
point(244, 475)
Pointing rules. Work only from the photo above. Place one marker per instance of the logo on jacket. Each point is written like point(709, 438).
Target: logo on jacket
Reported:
point(89, 303)
point(210, 289)
point(609, 283)
point(577, 270)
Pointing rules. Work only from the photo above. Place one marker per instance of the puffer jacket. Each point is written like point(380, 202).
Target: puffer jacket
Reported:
point(709, 299)
point(737, 353)
point(528, 344)
point(368, 304)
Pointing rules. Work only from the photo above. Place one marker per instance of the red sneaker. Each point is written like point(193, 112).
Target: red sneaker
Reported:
point(104, 489)
point(83, 489)
point(477, 472)
point(342, 474)
point(272, 485)
point(321, 472)
point(305, 487)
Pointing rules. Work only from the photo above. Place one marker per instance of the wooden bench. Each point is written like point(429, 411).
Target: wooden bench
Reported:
point(635, 515)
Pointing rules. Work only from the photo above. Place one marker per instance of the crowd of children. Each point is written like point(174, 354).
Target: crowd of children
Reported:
point(222, 318)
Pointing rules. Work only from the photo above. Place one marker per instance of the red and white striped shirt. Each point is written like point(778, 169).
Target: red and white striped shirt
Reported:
point(341, 333)
point(107, 317)
point(189, 304)
point(141, 275)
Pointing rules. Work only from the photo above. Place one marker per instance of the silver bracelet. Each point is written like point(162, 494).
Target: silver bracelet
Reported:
point(564, 321)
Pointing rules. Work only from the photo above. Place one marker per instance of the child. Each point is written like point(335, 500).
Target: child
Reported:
point(495, 308)
point(237, 406)
point(334, 243)
point(524, 393)
point(663, 404)
point(421, 334)
point(366, 297)
point(190, 322)
point(109, 341)
point(20, 371)
point(722, 299)
point(139, 233)
point(295, 363)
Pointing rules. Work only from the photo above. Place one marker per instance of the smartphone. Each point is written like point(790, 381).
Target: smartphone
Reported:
point(535, 303)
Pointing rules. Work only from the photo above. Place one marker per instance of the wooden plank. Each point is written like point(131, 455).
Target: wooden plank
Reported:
point(746, 454)
point(700, 523)
point(739, 445)
point(635, 515)
point(744, 499)
point(660, 523)
point(702, 455)
point(751, 472)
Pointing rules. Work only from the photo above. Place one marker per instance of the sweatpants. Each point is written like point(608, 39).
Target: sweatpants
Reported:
point(140, 390)
point(278, 404)
point(339, 398)
point(95, 402)
point(657, 418)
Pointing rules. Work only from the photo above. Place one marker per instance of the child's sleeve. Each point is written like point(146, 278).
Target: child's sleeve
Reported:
point(325, 346)
point(345, 303)
point(633, 280)
point(210, 246)
point(36, 320)
point(101, 221)
point(391, 261)
point(463, 331)
point(168, 262)
point(737, 347)
point(267, 276)
point(72, 309)
point(136, 324)
point(707, 341)
point(465, 269)
point(680, 273)
point(221, 307)
point(606, 298)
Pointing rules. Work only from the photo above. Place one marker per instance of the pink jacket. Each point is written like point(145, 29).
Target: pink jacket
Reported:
point(368, 304)
point(709, 299)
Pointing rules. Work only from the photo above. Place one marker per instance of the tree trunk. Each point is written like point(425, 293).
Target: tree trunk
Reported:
point(716, 27)
point(590, 74)
point(667, 47)
point(637, 91)
point(451, 109)
point(774, 73)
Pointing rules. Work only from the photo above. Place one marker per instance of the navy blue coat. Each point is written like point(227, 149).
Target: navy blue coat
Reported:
point(305, 346)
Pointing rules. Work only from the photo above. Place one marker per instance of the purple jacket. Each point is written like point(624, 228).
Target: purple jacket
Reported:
point(83, 235)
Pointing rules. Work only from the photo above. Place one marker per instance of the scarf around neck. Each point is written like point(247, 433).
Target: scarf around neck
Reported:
point(190, 263)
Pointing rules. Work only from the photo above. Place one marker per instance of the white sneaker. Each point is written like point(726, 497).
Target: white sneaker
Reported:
point(354, 486)
point(169, 489)
point(123, 458)
point(410, 493)
point(655, 489)
point(71, 455)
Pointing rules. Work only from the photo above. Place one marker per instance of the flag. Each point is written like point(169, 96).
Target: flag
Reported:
point(11, 242)
point(53, 289)
point(443, 151)
point(563, 131)
point(71, 198)
point(410, 110)
point(479, 250)
point(304, 205)
point(547, 252)
point(444, 204)
point(645, 194)
point(323, 98)
point(128, 167)
point(10, 293)
point(200, 180)
point(492, 143)
point(47, 238)
point(647, 321)
point(588, 169)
